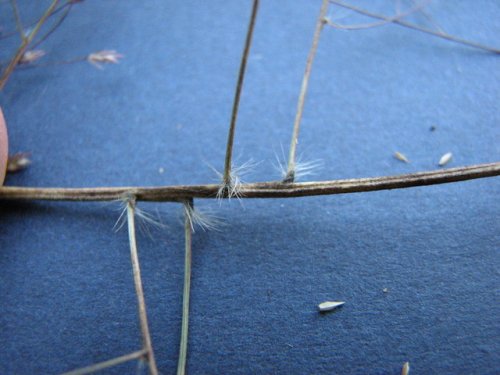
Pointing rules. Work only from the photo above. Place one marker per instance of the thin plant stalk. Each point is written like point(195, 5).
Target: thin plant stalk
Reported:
point(19, 24)
point(409, 25)
point(54, 27)
point(143, 319)
point(57, 10)
point(226, 179)
point(290, 175)
point(181, 365)
point(430, 18)
point(417, 7)
point(53, 63)
point(181, 193)
point(24, 44)
point(109, 363)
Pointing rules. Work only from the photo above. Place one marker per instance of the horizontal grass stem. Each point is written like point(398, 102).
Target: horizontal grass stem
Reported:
point(278, 189)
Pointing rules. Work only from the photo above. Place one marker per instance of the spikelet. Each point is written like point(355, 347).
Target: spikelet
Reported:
point(104, 57)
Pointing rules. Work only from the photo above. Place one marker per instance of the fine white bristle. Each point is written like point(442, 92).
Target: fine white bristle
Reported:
point(206, 221)
point(145, 219)
point(233, 189)
point(301, 168)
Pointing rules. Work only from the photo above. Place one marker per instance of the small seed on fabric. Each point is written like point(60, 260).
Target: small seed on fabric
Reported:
point(329, 305)
point(445, 159)
point(401, 157)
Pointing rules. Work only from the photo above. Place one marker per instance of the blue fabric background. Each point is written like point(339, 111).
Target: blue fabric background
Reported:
point(66, 291)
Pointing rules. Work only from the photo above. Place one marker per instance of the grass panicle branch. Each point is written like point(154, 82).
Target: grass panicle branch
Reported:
point(188, 232)
point(6, 35)
point(429, 18)
point(55, 26)
point(143, 319)
point(181, 193)
point(25, 43)
point(320, 23)
point(96, 59)
point(227, 178)
point(109, 363)
point(417, 7)
point(19, 24)
point(397, 21)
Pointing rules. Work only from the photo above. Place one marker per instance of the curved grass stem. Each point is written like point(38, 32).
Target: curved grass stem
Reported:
point(226, 179)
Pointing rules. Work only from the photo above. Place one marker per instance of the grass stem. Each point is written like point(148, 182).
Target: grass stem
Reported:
point(109, 363)
point(255, 190)
point(320, 23)
point(181, 365)
point(226, 179)
point(143, 319)
point(24, 45)
point(439, 34)
point(19, 24)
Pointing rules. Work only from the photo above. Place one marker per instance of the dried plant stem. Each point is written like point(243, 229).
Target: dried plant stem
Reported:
point(181, 193)
point(55, 26)
point(57, 10)
point(417, 7)
point(226, 180)
point(52, 63)
point(143, 319)
point(397, 21)
point(110, 363)
point(290, 175)
point(19, 24)
point(181, 365)
point(430, 18)
point(24, 45)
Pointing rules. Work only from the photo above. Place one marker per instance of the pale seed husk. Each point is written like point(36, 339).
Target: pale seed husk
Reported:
point(329, 305)
point(401, 157)
point(445, 159)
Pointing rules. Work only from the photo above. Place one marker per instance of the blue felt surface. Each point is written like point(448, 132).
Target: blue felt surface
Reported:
point(66, 291)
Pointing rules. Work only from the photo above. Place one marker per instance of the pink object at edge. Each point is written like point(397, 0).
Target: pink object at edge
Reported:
point(4, 148)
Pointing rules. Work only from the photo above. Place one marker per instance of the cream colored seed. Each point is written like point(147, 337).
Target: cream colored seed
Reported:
point(329, 305)
point(445, 159)
point(406, 369)
point(398, 155)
